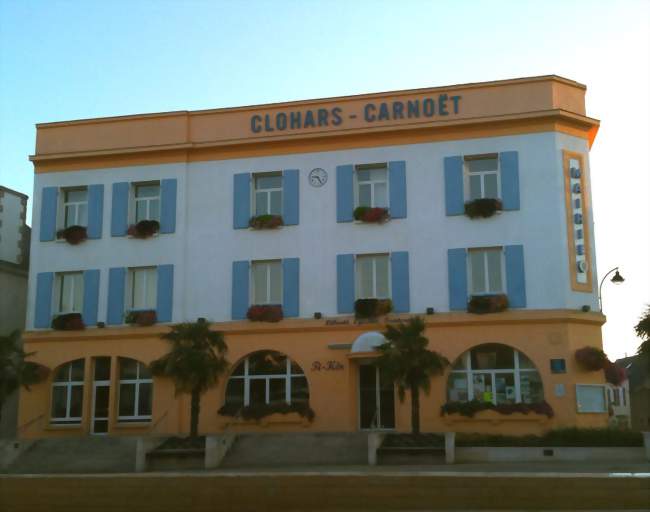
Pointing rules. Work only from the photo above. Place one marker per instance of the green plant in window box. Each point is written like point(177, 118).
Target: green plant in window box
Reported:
point(74, 235)
point(482, 304)
point(266, 222)
point(372, 308)
point(483, 208)
point(258, 411)
point(371, 215)
point(144, 229)
point(143, 318)
point(471, 408)
point(591, 359)
point(265, 313)
point(68, 322)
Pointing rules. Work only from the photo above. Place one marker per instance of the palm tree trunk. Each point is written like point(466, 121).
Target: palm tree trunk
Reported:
point(415, 409)
point(194, 414)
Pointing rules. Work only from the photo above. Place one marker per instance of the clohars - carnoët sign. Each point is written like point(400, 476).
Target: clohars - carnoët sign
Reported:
point(373, 112)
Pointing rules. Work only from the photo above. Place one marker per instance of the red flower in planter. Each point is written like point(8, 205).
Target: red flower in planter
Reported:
point(142, 318)
point(68, 322)
point(144, 229)
point(614, 374)
point(371, 215)
point(266, 222)
point(591, 359)
point(73, 234)
point(482, 304)
point(265, 313)
point(484, 208)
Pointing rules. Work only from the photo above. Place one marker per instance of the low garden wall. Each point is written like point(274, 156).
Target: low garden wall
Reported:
point(545, 454)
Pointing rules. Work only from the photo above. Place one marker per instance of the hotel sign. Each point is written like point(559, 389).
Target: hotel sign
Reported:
point(441, 105)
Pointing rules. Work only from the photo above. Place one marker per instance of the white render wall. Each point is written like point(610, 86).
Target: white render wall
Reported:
point(11, 224)
point(205, 243)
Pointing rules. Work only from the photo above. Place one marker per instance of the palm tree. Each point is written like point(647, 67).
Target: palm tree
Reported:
point(14, 370)
point(407, 361)
point(642, 330)
point(195, 362)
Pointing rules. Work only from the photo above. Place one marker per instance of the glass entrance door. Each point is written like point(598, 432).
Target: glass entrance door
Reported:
point(376, 399)
point(101, 394)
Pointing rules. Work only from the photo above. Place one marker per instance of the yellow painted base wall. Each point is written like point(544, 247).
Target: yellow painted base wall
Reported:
point(541, 335)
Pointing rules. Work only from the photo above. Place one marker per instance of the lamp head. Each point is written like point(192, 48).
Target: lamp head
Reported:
point(618, 278)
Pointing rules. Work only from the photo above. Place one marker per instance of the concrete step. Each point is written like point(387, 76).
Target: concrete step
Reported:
point(92, 454)
point(410, 456)
point(297, 449)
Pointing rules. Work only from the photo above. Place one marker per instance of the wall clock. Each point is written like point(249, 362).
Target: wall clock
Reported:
point(318, 177)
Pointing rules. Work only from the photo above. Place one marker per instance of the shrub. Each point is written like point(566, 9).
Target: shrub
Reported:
point(144, 229)
point(372, 308)
point(614, 374)
point(68, 322)
point(265, 313)
point(73, 234)
point(482, 208)
point(482, 304)
point(371, 215)
point(258, 411)
point(266, 222)
point(469, 409)
point(576, 437)
point(142, 318)
point(591, 359)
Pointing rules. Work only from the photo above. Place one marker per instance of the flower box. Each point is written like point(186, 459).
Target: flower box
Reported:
point(371, 215)
point(482, 304)
point(372, 308)
point(142, 318)
point(73, 234)
point(259, 411)
point(68, 322)
point(591, 359)
point(482, 208)
point(471, 408)
point(265, 313)
point(144, 229)
point(266, 222)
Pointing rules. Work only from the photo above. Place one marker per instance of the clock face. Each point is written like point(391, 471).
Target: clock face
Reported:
point(317, 177)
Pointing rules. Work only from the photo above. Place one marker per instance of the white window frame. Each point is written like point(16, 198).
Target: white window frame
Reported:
point(130, 288)
point(357, 274)
point(373, 183)
point(469, 373)
point(65, 204)
point(247, 378)
point(68, 385)
point(138, 381)
point(255, 300)
point(134, 200)
point(482, 174)
point(470, 280)
point(605, 398)
point(267, 192)
point(58, 290)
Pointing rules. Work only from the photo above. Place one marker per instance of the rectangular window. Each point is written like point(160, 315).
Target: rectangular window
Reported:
point(267, 194)
point(69, 292)
point(267, 282)
point(371, 185)
point(142, 288)
point(75, 207)
point(485, 271)
point(482, 177)
point(591, 398)
point(147, 201)
point(373, 276)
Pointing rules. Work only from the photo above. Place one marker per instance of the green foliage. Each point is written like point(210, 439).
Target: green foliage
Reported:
point(484, 208)
point(372, 308)
point(590, 437)
point(482, 304)
point(266, 222)
point(642, 330)
point(259, 411)
point(470, 408)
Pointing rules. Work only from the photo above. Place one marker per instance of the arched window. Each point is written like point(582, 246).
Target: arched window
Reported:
point(135, 391)
point(267, 377)
point(67, 393)
point(494, 373)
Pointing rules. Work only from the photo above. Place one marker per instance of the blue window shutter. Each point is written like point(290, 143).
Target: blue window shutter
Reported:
point(168, 205)
point(120, 209)
point(48, 214)
point(165, 293)
point(510, 180)
point(454, 196)
point(91, 296)
point(242, 200)
point(515, 276)
point(344, 193)
point(457, 275)
point(116, 291)
point(397, 188)
point(291, 197)
point(43, 306)
point(291, 287)
point(240, 289)
point(345, 283)
point(95, 211)
point(399, 267)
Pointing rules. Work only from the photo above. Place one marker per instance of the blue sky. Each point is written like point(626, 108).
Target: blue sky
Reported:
point(63, 60)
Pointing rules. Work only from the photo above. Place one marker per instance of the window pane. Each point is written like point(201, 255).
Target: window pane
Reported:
point(378, 174)
point(493, 357)
point(276, 283)
point(591, 398)
point(140, 211)
point(63, 373)
point(65, 301)
point(363, 175)
point(364, 195)
point(154, 209)
point(494, 271)
point(101, 401)
point(532, 390)
point(381, 267)
point(235, 392)
point(524, 362)
point(77, 370)
point(76, 401)
point(78, 284)
point(483, 164)
point(505, 388)
point(144, 400)
point(257, 392)
point(458, 387)
point(276, 202)
point(128, 369)
point(381, 199)
point(476, 261)
point(474, 187)
point(144, 372)
point(265, 182)
point(490, 184)
point(261, 203)
point(482, 387)
point(299, 389)
point(76, 196)
point(102, 368)
point(267, 363)
point(152, 278)
point(59, 401)
point(364, 267)
point(82, 214)
point(239, 370)
point(147, 191)
point(277, 391)
point(127, 400)
point(138, 278)
point(296, 369)
point(259, 284)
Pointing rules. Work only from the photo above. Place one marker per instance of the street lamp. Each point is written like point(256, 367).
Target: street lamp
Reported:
point(617, 279)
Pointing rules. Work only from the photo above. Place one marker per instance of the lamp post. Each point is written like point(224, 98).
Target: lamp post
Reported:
point(617, 279)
